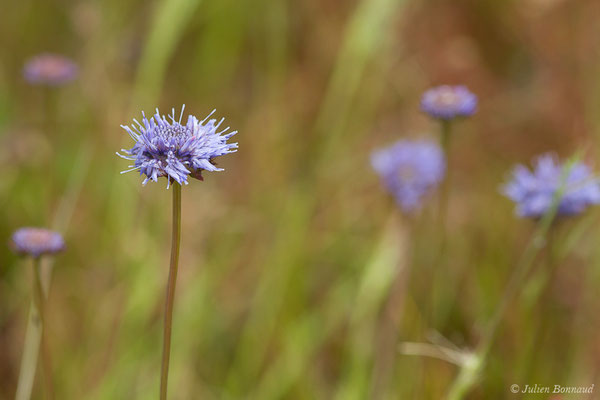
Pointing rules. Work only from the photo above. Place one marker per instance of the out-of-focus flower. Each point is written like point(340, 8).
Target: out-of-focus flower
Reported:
point(50, 69)
point(37, 242)
point(533, 191)
point(448, 102)
point(409, 170)
point(168, 148)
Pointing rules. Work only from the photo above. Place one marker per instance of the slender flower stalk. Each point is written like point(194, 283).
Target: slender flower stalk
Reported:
point(35, 243)
point(170, 297)
point(469, 373)
point(563, 200)
point(167, 148)
point(47, 71)
point(445, 104)
point(40, 316)
point(409, 170)
point(439, 277)
point(446, 130)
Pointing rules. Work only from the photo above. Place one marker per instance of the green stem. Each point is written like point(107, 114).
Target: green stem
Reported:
point(470, 372)
point(543, 302)
point(40, 320)
point(469, 375)
point(439, 276)
point(446, 131)
point(176, 238)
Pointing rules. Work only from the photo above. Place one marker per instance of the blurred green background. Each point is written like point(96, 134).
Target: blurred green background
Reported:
point(298, 280)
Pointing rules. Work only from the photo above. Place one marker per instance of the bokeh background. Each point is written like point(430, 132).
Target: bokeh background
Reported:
point(298, 278)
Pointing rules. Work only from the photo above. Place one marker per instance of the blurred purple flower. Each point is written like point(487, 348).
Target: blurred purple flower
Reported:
point(534, 191)
point(448, 102)
point(50, 69)
point(168, 148)
point(409, 170)
point(36, 242)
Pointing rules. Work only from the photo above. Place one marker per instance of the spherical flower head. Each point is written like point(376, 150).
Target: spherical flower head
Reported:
point(50, 69)
point(409, 170)
point(165, 147)
point(449, 102)
point(36, 242)
point(534, 191)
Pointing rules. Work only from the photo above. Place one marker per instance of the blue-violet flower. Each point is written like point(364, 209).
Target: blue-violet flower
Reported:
point(448, 102)
point(533, 191)
point(36, 242)
point(50, 69)
point(409, 170)
point(165, 147)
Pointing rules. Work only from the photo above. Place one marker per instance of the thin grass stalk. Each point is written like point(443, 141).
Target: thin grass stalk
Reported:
point(368, 28)
point(387, 262)
point(268, 298)
point(30, 356)
point(389, 328)
point(170, 19)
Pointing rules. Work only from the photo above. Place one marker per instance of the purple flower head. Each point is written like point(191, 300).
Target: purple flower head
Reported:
point(36, 242)
point(409, 170)
point(50, 69)
point(533, 191)
point(165, 147)
point(448, 102)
